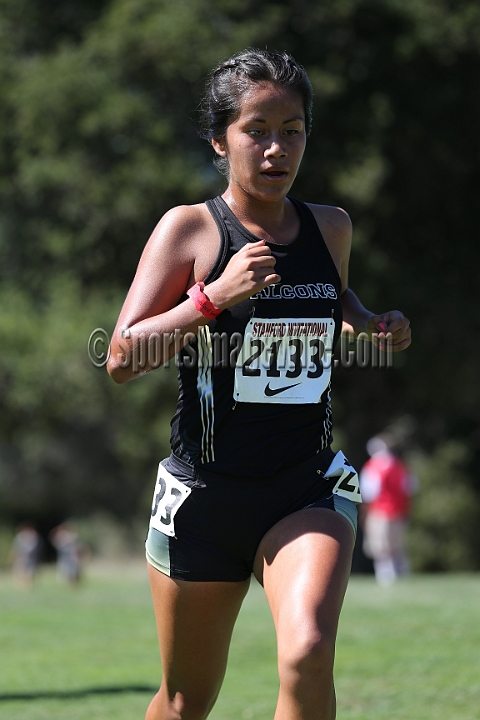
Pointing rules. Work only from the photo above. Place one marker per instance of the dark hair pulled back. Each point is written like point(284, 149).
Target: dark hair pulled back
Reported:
point(231, 78)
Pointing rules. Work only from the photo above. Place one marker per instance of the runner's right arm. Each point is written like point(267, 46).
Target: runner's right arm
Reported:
point(167, 269)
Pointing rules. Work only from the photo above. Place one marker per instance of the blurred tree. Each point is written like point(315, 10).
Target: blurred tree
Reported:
point(444, 523)
point(98, 142)
point(98, 139)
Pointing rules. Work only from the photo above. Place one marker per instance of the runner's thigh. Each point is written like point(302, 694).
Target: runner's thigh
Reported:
point(304, 562)
point(195, 621)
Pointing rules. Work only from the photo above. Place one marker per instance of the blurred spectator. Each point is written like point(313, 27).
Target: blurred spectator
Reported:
point(25, 554)
point(70, 552)
point(387, 487)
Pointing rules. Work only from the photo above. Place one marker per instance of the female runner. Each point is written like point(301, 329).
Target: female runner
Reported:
point(250, 290)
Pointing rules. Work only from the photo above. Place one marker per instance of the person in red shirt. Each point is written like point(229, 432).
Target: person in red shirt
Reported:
point(387, 487)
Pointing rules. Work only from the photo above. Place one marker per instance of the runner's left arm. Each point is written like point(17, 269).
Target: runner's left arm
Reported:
point(357, 319)
point(336, 228)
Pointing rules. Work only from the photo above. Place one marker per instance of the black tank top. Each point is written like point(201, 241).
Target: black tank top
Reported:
point(248, 439)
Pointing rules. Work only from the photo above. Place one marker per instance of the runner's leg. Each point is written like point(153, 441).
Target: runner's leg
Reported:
point(195, 621)
point(304, 562)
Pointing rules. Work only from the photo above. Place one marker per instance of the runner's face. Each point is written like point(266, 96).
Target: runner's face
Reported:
point(264, 145)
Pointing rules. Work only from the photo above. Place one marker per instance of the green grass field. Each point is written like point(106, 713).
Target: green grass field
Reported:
point(409, 651)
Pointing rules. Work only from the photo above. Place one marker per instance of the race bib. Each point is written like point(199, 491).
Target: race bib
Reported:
point(285, 360)
point(168, 496)
point(347, 485)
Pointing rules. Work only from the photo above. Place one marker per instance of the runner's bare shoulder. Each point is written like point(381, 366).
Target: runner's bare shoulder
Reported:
point(334, 223)
point(179, 237)
point(182, 244)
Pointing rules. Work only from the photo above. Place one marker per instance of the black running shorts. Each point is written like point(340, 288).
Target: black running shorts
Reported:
point(219, 526)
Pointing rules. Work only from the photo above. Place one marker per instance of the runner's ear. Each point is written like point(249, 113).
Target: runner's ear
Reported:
point(219, 147)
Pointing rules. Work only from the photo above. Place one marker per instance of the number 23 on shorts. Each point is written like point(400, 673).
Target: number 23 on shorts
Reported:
point(168, 496)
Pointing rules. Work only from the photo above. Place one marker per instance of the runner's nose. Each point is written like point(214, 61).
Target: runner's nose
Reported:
point(275, 150)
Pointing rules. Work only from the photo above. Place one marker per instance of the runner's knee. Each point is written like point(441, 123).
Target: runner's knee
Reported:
point(180, 707)
point(306, 659)
point(190, 705)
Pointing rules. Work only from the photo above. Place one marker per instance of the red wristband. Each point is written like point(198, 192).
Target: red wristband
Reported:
point(201, 301)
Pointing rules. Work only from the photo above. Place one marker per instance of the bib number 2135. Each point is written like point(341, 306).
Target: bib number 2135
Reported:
point(285, 360)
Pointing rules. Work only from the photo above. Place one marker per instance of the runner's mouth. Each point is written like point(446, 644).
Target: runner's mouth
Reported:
point(275, 174)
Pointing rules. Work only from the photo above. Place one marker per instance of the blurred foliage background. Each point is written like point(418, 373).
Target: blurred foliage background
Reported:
point(98, 138)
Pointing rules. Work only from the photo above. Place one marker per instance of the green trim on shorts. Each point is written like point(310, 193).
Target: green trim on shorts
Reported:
point(348, 509)
point(157, 550)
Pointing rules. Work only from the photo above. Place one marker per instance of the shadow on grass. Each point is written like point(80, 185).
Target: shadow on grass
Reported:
point(68, 694)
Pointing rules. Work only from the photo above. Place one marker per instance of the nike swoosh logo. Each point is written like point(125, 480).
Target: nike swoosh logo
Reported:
point(270, 392)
